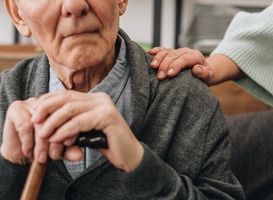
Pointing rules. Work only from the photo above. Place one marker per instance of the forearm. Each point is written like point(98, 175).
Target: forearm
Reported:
point(153, 179)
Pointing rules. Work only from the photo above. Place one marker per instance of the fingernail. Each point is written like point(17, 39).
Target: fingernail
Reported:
point(68, 142)
point(161, 74)
point(198, 70)
point(154, 62)
point(170, 71)
point(42, 158)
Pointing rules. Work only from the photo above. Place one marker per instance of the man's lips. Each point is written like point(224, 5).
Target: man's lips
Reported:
point(78, 33)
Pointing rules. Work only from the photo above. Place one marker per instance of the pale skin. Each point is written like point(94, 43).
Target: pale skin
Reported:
point(212, 70)
point(69, 32)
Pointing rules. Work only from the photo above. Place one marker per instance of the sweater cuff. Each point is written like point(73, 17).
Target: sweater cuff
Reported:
point(150, 178)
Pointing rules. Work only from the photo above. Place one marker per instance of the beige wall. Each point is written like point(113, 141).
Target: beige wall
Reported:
point(6, 33)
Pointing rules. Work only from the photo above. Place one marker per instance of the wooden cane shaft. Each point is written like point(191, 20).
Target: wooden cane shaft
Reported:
point(93, 139)
point(34, 181)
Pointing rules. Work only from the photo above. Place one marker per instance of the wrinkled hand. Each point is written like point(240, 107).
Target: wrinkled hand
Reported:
point(213, 70)
point(62, 115)
point(18, 137)
point(170, 62)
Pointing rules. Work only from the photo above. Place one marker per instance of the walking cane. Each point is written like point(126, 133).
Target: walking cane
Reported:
point(92, 139)
point(34, 181)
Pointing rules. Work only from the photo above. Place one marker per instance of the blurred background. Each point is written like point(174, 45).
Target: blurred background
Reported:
point(199, 24)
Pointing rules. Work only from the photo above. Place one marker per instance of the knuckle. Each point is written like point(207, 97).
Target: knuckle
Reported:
point(182, 60)
point(175, 52)
point(199, 56)
point(65, 95)
point(24, 126)
point(172, 54)
point(31, 99)
point(43, 97)
point(108, 110)
point(185, 49)
point(16, 105)
point(103, 96)
point(70, 108)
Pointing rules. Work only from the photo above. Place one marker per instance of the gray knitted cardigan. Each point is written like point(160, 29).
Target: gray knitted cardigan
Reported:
point(178, 121)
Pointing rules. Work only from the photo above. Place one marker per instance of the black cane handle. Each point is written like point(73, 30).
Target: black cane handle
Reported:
point(92, 139)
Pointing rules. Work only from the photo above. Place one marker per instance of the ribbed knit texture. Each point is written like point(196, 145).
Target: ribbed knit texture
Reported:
point(249, 43)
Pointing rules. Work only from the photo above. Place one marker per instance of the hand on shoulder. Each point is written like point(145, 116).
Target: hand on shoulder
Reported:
point(212, 70)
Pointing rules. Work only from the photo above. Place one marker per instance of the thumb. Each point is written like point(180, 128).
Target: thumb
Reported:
point(203, 73)
point(73, 153)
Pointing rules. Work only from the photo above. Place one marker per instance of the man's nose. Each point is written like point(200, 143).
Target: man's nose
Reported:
point(77, 8)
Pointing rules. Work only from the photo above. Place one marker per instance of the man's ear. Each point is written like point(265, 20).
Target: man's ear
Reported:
point(122, 6)
point(15, 14)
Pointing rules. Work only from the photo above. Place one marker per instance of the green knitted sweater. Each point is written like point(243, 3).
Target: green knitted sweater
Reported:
point(249, 43)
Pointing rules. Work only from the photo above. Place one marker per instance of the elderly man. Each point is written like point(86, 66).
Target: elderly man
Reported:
point(91, 76)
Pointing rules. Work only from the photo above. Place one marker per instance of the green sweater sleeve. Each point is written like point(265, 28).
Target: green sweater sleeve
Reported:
point(249, 43)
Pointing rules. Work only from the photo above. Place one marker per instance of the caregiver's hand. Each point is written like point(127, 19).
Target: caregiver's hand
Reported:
point(213, 70)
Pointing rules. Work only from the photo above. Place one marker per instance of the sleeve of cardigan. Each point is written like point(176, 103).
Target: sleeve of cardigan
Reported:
point(249, 43)
point(12, 179)
point(196, 163)
point(214, 181)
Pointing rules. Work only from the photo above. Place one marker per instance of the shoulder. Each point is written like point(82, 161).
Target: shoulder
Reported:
point(27, 73)
point(26, 66)
point(190, 99)
point(184, 88)
point(185, 85)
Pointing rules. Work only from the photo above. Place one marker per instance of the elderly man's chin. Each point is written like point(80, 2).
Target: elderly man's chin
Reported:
point(80, 58)
point(82, 62)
